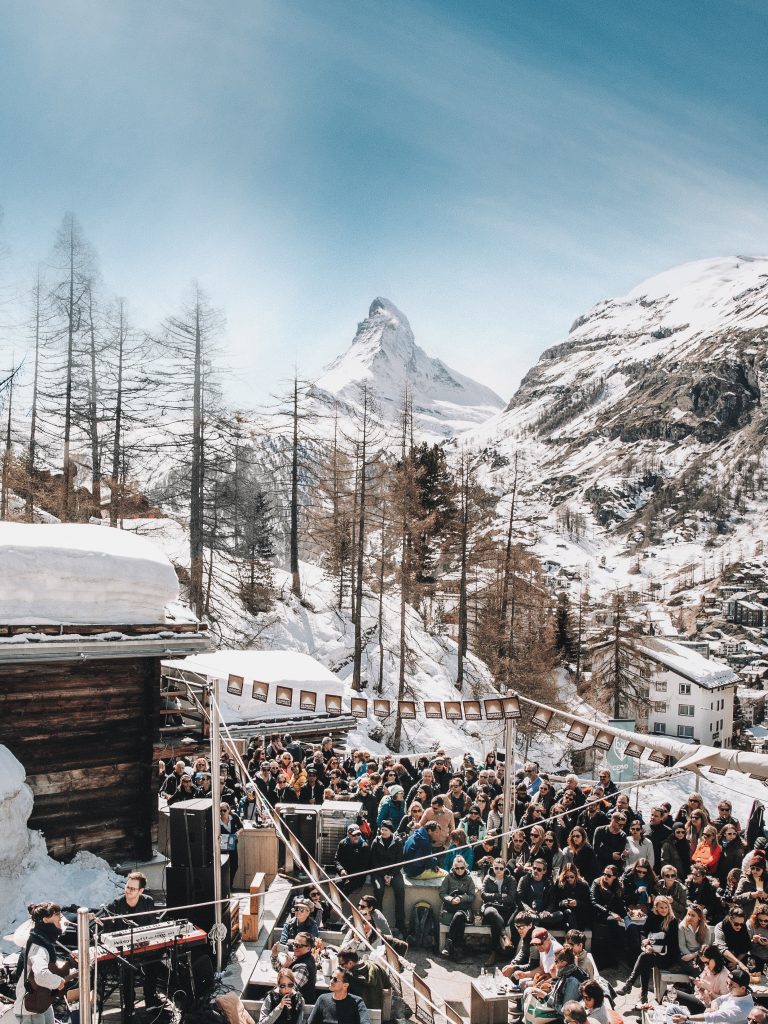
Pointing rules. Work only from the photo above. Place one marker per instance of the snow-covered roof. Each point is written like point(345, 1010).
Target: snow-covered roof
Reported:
point(72, 573)
point(274, 668)
point(687, 662)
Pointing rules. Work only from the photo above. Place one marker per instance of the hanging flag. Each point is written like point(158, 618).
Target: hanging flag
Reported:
point(603, 741)
point(472, 711)
point(381, 708)
point(659, 757)
point(359, 707)
point(395, 968)
point(333, 704)
point(284, 696)
point(235, 685)
point(511, 707)
point(634, 750)
point(407, 708)
point(493, 710)
point(432, 709)
point(423, 998)
point(453, 710)
point(577, 731)
point(307, 700)
point(542, 717)
point(260, 690)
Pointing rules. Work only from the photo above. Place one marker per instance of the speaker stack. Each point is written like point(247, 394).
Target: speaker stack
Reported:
point(189, 878)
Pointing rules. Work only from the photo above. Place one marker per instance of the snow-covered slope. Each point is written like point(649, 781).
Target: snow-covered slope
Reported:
point(385, 356)
point(645, 428)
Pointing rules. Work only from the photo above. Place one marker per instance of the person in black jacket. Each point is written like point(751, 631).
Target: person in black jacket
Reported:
point(386, 850)
point(610, 840)
point(609, 911)
point(658, 832)
point(312, 791)
point(570, 896)
point(660, 947)
point(498, 904)
point(134, 901)
point(353, 857)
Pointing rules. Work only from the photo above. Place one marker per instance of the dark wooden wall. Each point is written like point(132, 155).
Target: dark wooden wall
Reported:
point(84, 732)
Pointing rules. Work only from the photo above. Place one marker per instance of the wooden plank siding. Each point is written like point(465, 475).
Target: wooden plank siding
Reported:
point(84, 731)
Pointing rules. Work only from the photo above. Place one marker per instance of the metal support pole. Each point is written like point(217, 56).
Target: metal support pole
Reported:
point(215, 691)
point(84, 965)
point(510, 733)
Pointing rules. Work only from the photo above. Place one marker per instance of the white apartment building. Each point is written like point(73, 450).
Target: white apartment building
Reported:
point(691, 696)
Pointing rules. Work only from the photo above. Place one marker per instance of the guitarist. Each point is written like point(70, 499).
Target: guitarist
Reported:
point(41, 976)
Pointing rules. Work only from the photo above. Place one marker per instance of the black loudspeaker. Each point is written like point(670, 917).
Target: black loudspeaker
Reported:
point(191, 834)
point(303, 821)
point(185, 886)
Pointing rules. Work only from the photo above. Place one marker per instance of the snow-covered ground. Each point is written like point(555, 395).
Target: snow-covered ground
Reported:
point(27, 873)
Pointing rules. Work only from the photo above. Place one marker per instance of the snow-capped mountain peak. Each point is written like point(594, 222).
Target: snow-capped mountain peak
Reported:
point(384, 355)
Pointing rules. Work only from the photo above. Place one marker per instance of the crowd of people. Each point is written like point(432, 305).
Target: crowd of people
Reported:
point(584, 885)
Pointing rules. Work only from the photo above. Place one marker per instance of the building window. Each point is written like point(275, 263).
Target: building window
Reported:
point(660, 727)
point(686, 731)
point(685, 710)
point(684, 689)
point(659, 706)
point(660, 686)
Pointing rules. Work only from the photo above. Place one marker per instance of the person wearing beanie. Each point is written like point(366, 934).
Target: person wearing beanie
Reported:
point(392, 807)
point(386, 856)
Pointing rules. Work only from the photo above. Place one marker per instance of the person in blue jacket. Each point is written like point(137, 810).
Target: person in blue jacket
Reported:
point(417, 851)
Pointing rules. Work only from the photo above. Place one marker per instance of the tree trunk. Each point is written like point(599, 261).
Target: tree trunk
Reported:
point(65, 504)
point(380, 684)
point(93, 417)
point(462, 638)
point(358, 651)
point(196, 496)
point(7, 453)
point(505, 577)
point(33, 414)
point(116, 492)
point(295, 577)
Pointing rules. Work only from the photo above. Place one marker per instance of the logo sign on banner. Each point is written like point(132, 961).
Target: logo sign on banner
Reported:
point(407, 708)
point(453, 709)
point(381, 708)
point(432, 709)
point(260, 690)
point(332, 704)
point(284, 696)
point(235, 685)
point(472, 711)
point(623, 768)
point(493, 710)
point(307, 700)
point(359, 707)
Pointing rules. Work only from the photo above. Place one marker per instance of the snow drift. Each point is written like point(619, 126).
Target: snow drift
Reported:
point(74, 573)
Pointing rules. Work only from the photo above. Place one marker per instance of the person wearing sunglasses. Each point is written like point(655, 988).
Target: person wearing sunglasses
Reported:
point(533, 890)
point(570, 898)
point(707, 852)
point(752, 886)
point(339, 1006)
point(284, 1004)
point(457, 897)
point(669, 885)
point(732, 850)
point(701, 889)
point(734, 1008)
point(675, 850)
point(639, 846)
point(757, 926)
point(732, 938)
point(301, 961)
point(609, 911)
point(498, 904)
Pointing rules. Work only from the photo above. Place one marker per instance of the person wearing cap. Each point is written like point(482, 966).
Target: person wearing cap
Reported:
point(301, 920)
point(386, 872)
point(353, 858)
point(540, 971)
point(734, 1008)
point(312, 791)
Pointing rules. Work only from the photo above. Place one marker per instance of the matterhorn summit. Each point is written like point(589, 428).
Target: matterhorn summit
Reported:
point(384, 355)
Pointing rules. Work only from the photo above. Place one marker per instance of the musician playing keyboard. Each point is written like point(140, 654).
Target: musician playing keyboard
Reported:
point(134, 901)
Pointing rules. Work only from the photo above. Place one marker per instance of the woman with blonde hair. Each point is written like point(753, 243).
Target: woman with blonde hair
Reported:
point(693, 936)
point(660, 947)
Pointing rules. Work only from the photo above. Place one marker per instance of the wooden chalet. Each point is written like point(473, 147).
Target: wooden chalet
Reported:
point(80, 707)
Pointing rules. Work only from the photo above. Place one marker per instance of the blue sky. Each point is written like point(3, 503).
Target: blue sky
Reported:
point(493, 168)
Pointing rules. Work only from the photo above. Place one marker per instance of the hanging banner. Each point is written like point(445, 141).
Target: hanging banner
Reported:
point(235, 685)
point(511, 707)
point(623, 768)
point(432, 709)
point(423, 996)
point(659, 757)
point(472, 711)
point(453, 710)
point(407, 708)
point(577, 731)
point(307, 700)
point(284, 696)
point(634, 750)
point(332, 704)
point(493, 710)
point(395, 968)
point(542, 717)
point(603, 741)
point(260, 690)
point(359, 707)
point(381, 708)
